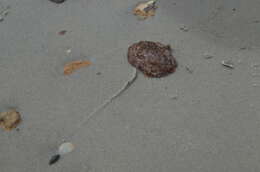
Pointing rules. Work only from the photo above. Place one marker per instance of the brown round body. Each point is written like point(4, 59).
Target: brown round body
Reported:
point(152, 58)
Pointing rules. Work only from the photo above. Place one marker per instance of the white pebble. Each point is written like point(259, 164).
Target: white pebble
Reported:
point(66, 148)
point(68, 51)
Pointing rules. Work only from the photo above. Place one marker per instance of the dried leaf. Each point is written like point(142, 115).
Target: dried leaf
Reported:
point(9, 120)
point(145, 9)
point(75, 65)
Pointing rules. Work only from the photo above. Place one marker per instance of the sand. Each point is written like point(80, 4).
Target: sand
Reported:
point(200, 120)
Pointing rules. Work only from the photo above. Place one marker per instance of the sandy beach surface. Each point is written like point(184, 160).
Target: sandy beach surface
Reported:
point(203, 118)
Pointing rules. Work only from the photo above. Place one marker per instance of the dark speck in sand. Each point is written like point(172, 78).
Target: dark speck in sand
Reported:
point(62, 32)
point(54, 159)
point(57, 1)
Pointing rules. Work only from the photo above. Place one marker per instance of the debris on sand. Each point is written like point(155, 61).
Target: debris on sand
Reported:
point(255, 65)
point(145, 9)
point(114, 96)
point(256, 85)
point(188, 69)
point(64, 148)
point(184, 28)
point(54, 159)
point(62, 32)
point(68, 51)
point(4, 13)
point(207, 56)
point(75, 65)
point(57, 1)
point(9, 120)
point(154, 59)
point(228, 64)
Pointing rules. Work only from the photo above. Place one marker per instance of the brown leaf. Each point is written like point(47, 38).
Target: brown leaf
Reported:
point(75, 65)
point(9, 120)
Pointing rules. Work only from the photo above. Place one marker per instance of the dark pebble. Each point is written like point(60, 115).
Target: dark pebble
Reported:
point(152, 58)
point(63, 32)
point(54, 159)
point(57, 1)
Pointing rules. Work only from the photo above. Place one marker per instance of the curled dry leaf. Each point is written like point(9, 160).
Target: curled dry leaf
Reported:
point(9, 120)
point(145, 9)
point(72, 66)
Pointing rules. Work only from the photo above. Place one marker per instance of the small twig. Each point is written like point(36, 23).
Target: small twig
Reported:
point(228, 64)
point(4, 13)
point(188, 69)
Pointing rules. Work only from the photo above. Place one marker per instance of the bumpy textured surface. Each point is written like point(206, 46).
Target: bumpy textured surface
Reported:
point(152, 58)
point(9, 120)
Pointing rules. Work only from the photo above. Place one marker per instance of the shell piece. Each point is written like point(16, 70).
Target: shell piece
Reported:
point(145, 9)
point(152, 58)
point(66, 148)
point(9, 120)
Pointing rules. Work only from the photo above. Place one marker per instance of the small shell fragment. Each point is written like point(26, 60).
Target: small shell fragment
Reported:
point(66, 148)
point(68, 51)
point(145, 9)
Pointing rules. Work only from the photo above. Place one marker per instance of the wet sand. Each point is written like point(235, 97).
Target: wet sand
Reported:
point(202, 119)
